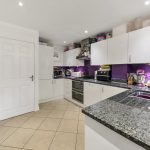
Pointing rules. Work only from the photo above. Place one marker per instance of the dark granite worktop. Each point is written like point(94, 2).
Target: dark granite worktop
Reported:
point(114, 83)
point(128, 116)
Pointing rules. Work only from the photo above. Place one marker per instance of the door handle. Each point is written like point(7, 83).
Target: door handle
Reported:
point(32, 78)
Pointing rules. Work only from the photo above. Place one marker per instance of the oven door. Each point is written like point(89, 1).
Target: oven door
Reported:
point(77, 86)
point(77, 96)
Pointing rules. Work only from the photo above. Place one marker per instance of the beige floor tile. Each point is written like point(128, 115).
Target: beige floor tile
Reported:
point(61, 107)
point(81, 116)
point(64, 141)
point(56, 114)
point(68, 126)
point(5, 132)
point(81, 127)
point(71, 115)
point(41, 140)
point(8, 148)
point(63, 102)
point(46, 106)
point(16, 121)
point(19, 138)
point(41, 113)
point(3, 122)
point(73, 108)
point(80, 142)
point(50, 124)
point(33, 123)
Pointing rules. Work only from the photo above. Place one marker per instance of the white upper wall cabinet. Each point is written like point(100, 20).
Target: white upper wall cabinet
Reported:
point(117, 49)
point(139, 46)
point(70, 58)
point(99, 53)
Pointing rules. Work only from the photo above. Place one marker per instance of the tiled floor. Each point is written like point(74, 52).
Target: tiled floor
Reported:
point(58, 125)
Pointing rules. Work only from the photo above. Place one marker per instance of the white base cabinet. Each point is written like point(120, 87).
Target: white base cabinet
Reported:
point(68, 89)
point(99, 137)
point(58, 88)
point(51, 89)
point(45, 89)
point(109, 91)
point(94, 93)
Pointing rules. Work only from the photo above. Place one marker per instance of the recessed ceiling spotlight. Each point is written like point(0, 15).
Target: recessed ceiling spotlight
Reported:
point(65, 42)
point(86, 31)
point(20, 3)
point(147, 2)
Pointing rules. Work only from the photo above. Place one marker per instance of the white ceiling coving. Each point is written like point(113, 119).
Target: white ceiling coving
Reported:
point(66, 20)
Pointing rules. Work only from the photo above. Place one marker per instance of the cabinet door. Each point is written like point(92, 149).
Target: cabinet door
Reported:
point(109, 91)
point(67, 58)
point(139, 46)
point(58, 88)
point(92, 93)
point(45, 89)
point(68, 89)
point(45, 62)
point(117, 49)
point(99, 53)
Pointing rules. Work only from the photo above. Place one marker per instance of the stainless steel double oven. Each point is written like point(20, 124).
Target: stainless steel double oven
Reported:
point(78, 91)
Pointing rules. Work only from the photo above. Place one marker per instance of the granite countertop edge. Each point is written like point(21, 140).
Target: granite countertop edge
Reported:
point(140, 143)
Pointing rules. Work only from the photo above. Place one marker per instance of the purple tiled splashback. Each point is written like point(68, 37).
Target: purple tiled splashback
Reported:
point(118, 71)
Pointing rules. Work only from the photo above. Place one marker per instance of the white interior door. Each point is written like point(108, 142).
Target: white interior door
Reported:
point(16, 78)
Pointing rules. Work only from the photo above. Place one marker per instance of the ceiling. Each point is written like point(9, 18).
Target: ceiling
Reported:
point(66, 20)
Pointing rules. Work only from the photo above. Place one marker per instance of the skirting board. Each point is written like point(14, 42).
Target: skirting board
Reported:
point(51, 99)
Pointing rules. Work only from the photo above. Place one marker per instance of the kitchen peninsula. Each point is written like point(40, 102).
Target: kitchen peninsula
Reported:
point(120, 122)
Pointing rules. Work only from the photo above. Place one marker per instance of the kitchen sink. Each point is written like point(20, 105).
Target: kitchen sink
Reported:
point(140, 94)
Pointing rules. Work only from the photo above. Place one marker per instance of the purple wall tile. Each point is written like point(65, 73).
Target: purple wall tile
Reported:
point(119, 71)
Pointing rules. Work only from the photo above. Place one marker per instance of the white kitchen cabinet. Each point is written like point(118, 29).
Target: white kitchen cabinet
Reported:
point(51, 89)
point(66, 58)
point(68, 89)
point(45, 62)
point(45, 90)
point(139, 46)
point(70, 58)
point(109, 91)
point(92, 93)
point(99, 53)
point(105, 138)
point(58, 88)
point(117, 49)
point(58, 58)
